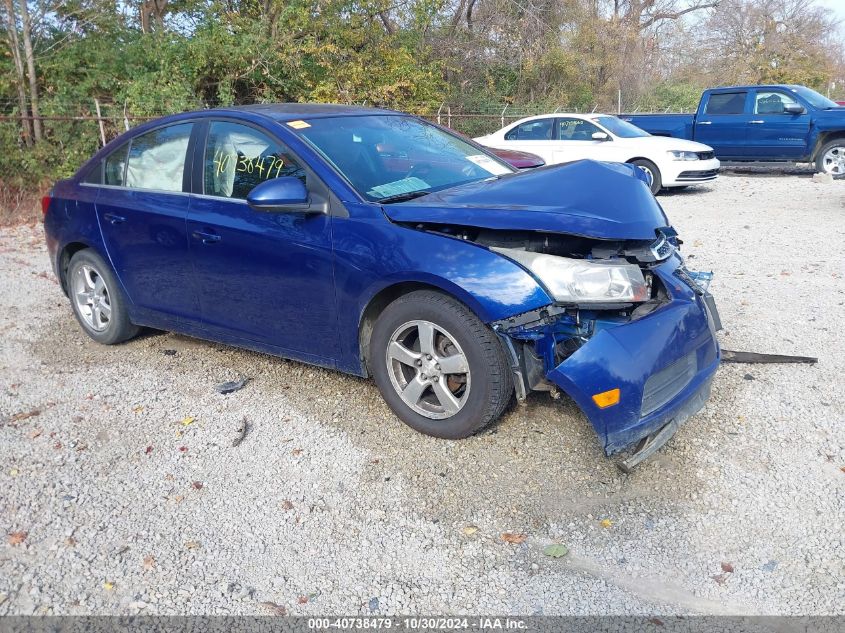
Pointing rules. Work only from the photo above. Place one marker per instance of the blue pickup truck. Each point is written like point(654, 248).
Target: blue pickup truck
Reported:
point(761, 123)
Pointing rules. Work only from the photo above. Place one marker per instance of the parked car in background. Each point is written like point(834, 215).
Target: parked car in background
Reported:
point(520, 160)
point(565, 137)
point(377, 244)
point(842, 103)
point(761, 123)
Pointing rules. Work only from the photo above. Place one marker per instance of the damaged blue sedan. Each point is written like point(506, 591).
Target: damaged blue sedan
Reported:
point(375, 243)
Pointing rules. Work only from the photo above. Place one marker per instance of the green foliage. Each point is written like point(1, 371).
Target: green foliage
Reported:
point(416, 57)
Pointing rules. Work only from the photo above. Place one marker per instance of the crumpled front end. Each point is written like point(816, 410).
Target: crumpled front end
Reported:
point(631, 371)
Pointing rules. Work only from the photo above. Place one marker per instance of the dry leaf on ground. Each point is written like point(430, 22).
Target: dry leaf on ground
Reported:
point(511, 537)
point(16, 538)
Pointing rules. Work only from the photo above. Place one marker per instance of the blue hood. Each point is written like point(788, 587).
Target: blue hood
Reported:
point(586, 198)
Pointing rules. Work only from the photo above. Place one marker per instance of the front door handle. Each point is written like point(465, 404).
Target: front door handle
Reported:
point(756, 122)
point(705, 122)
point(206, 238)
point(113, 218)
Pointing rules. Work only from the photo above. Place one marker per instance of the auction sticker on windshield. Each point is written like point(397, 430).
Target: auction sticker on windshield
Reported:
point(398, 187)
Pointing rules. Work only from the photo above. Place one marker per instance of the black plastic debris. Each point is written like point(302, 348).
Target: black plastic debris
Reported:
point(169, 352)
point(231, 386)
point(731, 356)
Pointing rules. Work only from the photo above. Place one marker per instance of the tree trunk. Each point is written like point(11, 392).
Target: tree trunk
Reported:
point(20, 80)
point(30, 66)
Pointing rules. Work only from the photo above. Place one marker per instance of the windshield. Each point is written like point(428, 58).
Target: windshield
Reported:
point(814, 98)
point(620, 128)
point(393, 157)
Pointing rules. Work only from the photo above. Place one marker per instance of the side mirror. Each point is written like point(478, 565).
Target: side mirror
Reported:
point(600, 136)
point(794, 108)
point(287, 193)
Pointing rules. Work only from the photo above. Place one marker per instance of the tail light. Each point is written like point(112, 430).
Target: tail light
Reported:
point(45, 204)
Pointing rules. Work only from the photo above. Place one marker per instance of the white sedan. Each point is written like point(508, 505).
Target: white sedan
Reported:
point(561, 138)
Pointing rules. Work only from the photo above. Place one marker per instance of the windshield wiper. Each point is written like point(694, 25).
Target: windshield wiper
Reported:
point(402, 197)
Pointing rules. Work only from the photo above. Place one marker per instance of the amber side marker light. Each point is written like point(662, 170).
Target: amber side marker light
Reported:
point(606, 398)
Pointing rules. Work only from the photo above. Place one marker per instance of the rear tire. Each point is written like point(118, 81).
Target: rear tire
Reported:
point(831, 158)
point(652, 171)
point(97, 299)
point(440, 369)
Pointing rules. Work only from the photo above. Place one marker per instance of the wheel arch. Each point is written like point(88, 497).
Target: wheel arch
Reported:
point(65, 254)
point(823, 139)
point(387, 295)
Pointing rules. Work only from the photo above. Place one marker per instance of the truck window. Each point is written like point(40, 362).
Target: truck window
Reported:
point(726, 103)
point(771, 102)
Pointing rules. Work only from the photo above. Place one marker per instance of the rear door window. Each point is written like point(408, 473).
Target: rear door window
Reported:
point(726, 103)
point(157, 159)
point(239, 157)
point(536, 130)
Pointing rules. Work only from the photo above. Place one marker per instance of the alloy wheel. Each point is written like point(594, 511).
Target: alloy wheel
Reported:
point(92, 298)
point(428, 369)
point(833, 161)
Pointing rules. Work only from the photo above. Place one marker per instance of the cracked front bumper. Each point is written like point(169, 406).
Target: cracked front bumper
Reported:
point(663, 365)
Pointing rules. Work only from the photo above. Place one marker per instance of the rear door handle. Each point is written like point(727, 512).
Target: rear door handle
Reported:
point(206, 238)
point(113, 218)
point(756, 122)
point(705, 122)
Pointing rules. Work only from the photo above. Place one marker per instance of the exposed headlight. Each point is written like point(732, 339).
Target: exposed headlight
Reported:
point(583, 281)
point(682, 155)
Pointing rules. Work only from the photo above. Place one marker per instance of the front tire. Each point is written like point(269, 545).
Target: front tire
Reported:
point(831, 158)
point(440, 369)
point(97, 300)
point(652, 172)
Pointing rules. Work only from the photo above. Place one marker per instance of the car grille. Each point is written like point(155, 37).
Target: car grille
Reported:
point(661, 387)
point(706, 155)
point(708, 174)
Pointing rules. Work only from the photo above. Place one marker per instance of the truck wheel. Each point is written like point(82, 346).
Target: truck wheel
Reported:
point(831, 158)
point(440, 369)
point(652, 172)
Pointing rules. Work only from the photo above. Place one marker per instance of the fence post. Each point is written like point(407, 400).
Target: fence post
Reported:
point(507, 105)
point(449, 117)
point(125, 117)
point(100, 121)
point(439, 110)
point(619, 101)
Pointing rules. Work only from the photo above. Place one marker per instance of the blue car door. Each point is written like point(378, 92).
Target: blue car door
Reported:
point(775, 133)
point(723, 123)
point(261, 276)
point(142, 208)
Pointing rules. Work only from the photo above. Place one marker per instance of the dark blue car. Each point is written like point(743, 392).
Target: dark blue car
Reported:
point(374, 243)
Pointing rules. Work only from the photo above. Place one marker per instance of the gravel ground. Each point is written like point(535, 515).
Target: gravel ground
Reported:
point(134, 500)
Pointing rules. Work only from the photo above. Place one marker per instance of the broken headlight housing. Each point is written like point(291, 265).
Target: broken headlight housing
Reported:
point(583, 281)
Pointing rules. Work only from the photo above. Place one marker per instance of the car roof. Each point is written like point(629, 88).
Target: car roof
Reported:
point(756, 87)
point(587, 116)
point(294, 111)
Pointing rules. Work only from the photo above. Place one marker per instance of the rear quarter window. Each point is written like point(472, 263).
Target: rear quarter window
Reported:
point(110, 170)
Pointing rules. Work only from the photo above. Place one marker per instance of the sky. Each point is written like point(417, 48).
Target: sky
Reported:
point(837, 6)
